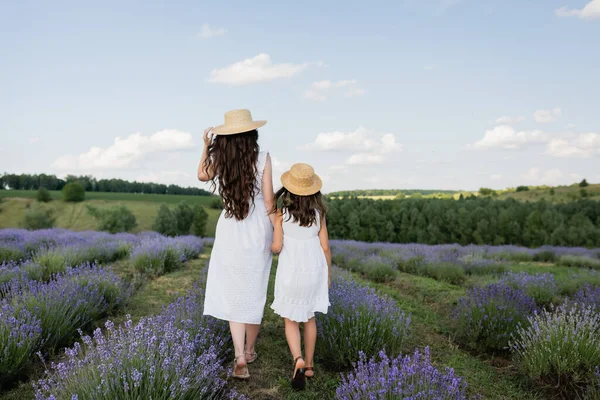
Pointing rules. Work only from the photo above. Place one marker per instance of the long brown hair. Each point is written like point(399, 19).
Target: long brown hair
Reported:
point(232, 159)
point(300, 208)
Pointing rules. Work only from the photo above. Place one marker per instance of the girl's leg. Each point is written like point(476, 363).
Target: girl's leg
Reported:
point(238, 334)
point(251, 335)
point(292, 334)
point(310, 341)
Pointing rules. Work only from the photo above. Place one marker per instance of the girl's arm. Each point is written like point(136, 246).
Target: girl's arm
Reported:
point(203, 174)
point(267, 188)
point(324, 238)
point(277, 234)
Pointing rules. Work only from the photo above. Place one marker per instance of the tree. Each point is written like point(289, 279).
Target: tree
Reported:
point(165, 222)
point(552, 192)
point(583, 193)
point(216, 203)
point(73, 192)
point(200, 221)
point(114, 219)
point(486, 191)
point(185, 217)
point(583, 183)
point(43, 195)
point(38, 218)
point(522, 188)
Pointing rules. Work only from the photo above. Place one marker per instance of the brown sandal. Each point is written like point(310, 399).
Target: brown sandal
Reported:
point(309, 369)
point(245, 375)
point(298, 378)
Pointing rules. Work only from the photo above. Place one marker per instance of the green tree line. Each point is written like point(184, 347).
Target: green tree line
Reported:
point(91, 184)
point(466, 221)
point(388, 192)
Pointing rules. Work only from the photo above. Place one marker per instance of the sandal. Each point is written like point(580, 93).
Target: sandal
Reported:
point(244, 375)
point(298, 378)
point(309, 369)
point(253, 357)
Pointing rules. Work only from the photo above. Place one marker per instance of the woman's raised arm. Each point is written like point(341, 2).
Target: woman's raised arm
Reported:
point(267, 189)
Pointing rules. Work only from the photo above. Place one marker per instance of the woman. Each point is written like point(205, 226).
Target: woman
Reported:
point(240, 263)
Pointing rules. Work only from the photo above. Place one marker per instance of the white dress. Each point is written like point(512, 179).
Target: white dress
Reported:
point(301, 283)
point(240, 262)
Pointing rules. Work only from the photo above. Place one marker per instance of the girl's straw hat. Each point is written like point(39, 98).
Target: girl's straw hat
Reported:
point(301, 180)
point(237, 121)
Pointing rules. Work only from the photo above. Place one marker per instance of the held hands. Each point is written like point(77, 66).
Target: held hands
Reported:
point(208, 136)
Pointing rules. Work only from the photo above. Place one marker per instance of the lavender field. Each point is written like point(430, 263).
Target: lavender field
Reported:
point(405, 322)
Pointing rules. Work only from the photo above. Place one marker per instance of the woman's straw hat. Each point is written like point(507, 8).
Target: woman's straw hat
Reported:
point(237, 121)
point(301, 180)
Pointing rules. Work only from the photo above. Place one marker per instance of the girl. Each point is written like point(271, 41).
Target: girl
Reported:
point(240, 263)
point(304, 270)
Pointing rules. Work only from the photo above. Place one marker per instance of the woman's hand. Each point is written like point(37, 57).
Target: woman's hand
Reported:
point(208, 136)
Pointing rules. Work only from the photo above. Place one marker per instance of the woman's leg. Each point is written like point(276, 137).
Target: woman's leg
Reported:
point(292, 334)
point(310, 341)
point(251, 335)
point(238, 334)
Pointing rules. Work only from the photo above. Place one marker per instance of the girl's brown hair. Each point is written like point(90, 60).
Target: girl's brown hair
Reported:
point(300, 208)
point(232, 159)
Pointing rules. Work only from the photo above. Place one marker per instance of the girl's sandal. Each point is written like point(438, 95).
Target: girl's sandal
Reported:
point(245, 374)
point(311, 370)
point(253, 357)
point(298, 379)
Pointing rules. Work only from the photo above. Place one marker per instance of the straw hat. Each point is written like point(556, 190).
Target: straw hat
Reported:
point(301, 180)
point(237, 121)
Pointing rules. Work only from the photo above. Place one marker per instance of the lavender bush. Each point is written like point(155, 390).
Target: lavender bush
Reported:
point(359, 320)
point(560, 348)
point(156, 256)
point(400, 378)
point(488, 315)
point(589, 295)
point(20, 338)
point(540, 287)
point(579, 261)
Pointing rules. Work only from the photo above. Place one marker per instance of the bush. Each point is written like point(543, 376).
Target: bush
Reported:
point(570, 285)
point(184, 217)
point(486, 192)
point(200, 221)
point(114, 219)
point(20, 338)
point(216, 203)
point(73, 192)
point(583, 184)
point(402, 377)
point(43, 195)
point(376, 268)
point(38, 218)
point(165, 222)
point(157, 256)
point(552, 192)
point(540, 287)
point(522, 188)
point(588, 295)
point(579, 261)
point(559, 349)
point(487, 316)
point(359, 320)
point(547, 256)
point(583, 193)
point(448, 272)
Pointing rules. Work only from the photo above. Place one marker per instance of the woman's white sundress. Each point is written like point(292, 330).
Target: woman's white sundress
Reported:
point(240, 262)
point(301, 283)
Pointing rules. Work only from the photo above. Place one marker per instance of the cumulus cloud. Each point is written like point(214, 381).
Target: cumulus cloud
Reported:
point(367, 146)
point(257, 69)
point(580, 146)
point(320, 90)
point(506, 120)
point(496, 177)
point(545, 116)
point(506, 137)
point(590, 11)
point(126, 152)
point(206, 32)
point(537, 176)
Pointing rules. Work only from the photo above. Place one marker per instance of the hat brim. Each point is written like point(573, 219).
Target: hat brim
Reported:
point(301, 190)
point(235, 129)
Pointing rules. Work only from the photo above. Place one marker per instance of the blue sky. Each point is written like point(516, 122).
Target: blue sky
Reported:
point(441, 94)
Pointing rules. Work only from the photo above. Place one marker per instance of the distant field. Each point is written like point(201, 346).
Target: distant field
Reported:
point(562, 194)
point(75, 216)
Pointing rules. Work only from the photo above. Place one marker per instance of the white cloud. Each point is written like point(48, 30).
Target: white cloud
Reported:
point(590, 11)
point(279, 167)
point(167, 177)
point(207, 32)
point(571, 126)
point(253, 70)
point(545, 116)
point(368, 146)
point(506, 137)
point(581, 146)
point(33, 140)
point(124, 153)
point(496, 177)
point(549, 177)
point(506, 120)
point(320, 90)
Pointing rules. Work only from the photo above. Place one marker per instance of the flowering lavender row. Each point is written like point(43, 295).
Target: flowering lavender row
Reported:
point(178, 354)
point(541, 287)
point(560, 348)
point(409, 377)
point(588, 295)
point(359, 320)
point(156, 254)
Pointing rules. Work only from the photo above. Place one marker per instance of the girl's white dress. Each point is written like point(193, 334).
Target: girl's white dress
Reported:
point(301, 283)
point(240, 262)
